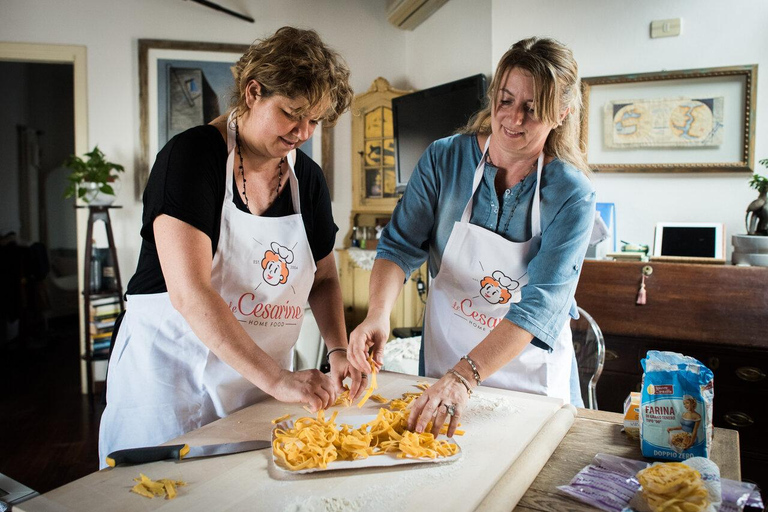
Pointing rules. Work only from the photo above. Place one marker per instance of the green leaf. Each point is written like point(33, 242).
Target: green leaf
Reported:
point(96, 169)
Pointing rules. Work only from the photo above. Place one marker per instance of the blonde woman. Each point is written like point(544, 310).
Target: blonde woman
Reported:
point(237, 237)
point(510, 194)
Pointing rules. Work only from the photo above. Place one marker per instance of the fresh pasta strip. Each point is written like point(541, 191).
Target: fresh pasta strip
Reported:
point(373, 385)
point(380, 399)
point(281, 418)
point(149, 488)
point(673, 487)
point(315, 442)
point(343, 398)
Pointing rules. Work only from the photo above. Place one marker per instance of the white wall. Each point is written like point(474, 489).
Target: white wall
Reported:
point(610, 37)
point(453, 43)
point(464, 37)
point(110, 31)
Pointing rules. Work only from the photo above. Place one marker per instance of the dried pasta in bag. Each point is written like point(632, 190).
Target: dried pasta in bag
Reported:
point(676, 407)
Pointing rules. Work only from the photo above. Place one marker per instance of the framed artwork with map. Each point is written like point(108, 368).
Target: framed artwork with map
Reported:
point(697, 120)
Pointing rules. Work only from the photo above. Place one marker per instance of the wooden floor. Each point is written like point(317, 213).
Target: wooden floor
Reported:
point(48, 431)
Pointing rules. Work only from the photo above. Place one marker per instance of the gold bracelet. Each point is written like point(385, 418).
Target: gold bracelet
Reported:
point(475, 373)
point(462, 380)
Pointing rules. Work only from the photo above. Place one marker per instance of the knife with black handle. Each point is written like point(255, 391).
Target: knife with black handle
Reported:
point(180, 452)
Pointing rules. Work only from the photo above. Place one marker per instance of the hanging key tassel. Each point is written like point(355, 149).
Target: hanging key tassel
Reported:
point(641, 293)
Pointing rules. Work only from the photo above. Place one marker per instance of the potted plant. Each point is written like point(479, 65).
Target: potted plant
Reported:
point(92, 180)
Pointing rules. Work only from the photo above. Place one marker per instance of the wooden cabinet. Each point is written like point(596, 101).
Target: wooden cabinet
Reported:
point(374, 180)
point(374, 196)
point(714, 313)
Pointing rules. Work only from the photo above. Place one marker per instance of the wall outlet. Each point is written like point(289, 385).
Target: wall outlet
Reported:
point(666, 28)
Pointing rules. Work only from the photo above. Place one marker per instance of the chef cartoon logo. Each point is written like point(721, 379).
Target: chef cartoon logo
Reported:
point(275, 264)
point(498, 288)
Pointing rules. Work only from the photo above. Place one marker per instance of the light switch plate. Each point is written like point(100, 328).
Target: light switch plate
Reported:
point(666, 28)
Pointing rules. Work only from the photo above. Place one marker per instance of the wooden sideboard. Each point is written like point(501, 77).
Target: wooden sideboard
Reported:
point(715, 313)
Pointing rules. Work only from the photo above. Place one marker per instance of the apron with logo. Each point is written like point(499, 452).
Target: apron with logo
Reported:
point(163, 381)
point(480, 275)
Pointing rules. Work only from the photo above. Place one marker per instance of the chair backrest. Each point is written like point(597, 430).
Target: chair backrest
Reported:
point(589, 345)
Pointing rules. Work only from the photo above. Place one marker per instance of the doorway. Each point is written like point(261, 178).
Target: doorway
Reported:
point(42, 121)
point(38, 226)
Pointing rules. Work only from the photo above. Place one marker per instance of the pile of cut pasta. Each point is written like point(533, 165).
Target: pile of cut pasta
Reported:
point(150, 488)
point(673, 487)
point(315, 442)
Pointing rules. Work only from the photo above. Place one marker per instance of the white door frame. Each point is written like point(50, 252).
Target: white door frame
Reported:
point(75, 55)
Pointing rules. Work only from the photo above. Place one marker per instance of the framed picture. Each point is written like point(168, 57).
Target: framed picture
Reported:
point(181, 84)
point(699, 120)
point(689, 239)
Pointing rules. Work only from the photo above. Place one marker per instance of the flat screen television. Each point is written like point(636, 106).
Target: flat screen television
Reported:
point(422, 117)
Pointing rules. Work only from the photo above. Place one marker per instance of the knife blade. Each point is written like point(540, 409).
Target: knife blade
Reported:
point(180, 452)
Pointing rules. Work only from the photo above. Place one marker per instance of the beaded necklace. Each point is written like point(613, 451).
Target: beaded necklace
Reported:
point(242, 171)
point(519, 189)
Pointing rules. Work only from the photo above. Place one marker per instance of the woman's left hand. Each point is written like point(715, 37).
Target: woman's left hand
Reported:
point(341, 369)
point(434, 405)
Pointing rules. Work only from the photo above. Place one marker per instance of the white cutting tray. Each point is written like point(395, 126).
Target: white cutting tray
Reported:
point(385, 460)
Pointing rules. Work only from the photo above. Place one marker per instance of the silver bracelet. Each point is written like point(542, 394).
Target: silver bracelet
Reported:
point(462, 380)
point(337, 349)
point(475, 373)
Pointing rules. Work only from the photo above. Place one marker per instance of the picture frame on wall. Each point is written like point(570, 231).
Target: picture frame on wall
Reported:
point(181, 84)
point(184, 84)
point(696, 120)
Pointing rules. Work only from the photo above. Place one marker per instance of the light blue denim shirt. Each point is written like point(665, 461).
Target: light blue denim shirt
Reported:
point(435, 198)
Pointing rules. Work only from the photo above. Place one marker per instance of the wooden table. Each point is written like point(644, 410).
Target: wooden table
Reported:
point(600, 432)
point(246, 480)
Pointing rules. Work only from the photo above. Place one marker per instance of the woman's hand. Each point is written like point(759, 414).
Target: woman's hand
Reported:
point(311, 387)
point(371, 334)
point(434, 403)
point(341, 369)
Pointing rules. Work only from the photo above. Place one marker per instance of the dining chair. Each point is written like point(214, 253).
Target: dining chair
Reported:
point(589, 345)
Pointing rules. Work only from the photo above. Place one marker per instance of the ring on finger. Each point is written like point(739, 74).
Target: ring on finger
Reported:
point(450, 409)
point(364, 376)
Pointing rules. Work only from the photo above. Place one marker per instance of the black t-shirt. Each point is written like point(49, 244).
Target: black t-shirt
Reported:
point(187, 183)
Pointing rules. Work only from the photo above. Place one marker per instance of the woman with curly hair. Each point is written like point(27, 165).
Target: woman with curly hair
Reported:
point(237, 236)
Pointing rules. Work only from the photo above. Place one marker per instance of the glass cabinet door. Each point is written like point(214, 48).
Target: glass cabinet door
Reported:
point(379, 154)
point(373, 149)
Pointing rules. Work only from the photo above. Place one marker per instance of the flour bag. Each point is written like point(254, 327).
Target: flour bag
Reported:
point(675, 407)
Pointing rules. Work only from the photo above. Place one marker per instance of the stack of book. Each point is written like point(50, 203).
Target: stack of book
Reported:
point(104, 312)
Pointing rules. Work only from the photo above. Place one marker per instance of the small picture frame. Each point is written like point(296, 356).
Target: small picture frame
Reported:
point(689, 240)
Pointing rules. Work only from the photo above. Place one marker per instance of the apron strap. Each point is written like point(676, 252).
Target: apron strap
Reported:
point(479, 170)
point(536, 206)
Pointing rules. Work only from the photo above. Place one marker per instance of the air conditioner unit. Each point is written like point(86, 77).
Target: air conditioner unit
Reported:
point(409, 14)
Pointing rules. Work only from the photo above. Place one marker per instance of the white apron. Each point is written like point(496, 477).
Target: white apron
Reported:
point(163, 381)
point(480, 275)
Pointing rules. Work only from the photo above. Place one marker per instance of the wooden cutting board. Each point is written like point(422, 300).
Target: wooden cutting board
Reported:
point(499, 426)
